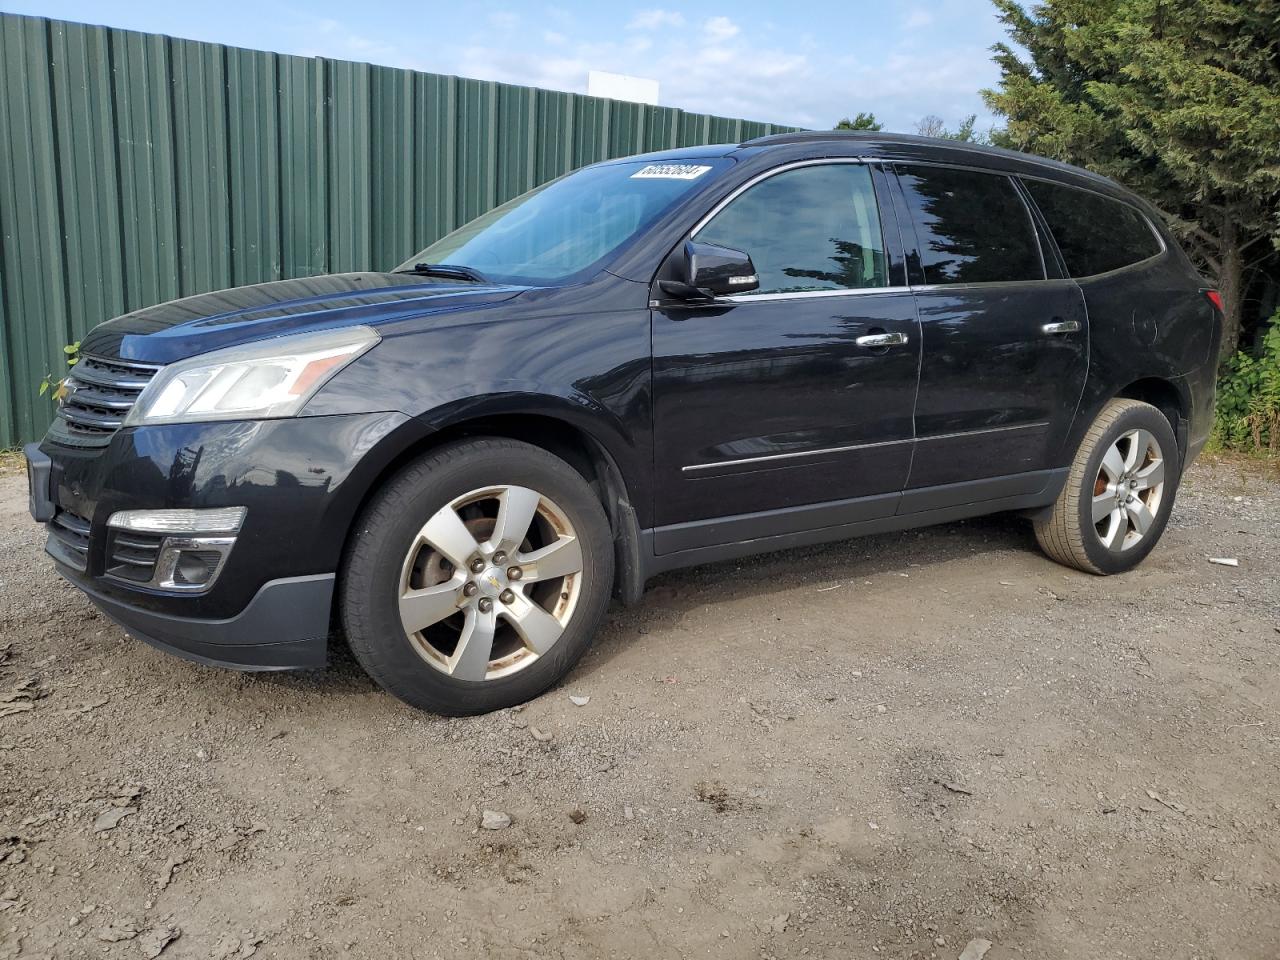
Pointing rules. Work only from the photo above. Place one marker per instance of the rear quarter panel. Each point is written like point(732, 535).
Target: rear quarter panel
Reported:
point(1146, 321)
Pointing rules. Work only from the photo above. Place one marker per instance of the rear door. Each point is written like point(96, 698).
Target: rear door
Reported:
point(1005, 338)
point(769, 401)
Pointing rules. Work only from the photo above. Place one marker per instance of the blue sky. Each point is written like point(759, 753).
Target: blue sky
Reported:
point(807, 63)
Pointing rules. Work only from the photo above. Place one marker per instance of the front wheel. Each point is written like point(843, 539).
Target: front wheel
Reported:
point(1118, 494)
point(477, 577)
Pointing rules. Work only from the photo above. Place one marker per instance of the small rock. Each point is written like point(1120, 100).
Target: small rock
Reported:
point(235, 948)
point(539, 734)
point(881, 708)
point(125, 796)
point(628, 813)
point(579, 701)
point(779, 923)
point(166, 872)
point(1225, 561)
point(577, 815)
point(975, 949)
point(495, 820)
point(110, 819)
point(119, 930)
point(153, 942)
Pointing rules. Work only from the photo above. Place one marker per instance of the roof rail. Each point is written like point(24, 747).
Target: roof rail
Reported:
point(879, 137)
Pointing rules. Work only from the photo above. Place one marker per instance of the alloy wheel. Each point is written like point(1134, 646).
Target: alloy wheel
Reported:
point(490, 582)
point(1128, 490)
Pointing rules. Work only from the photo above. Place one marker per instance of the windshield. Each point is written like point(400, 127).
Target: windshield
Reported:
point(563, 227)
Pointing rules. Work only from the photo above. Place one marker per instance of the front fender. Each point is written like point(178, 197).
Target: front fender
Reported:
point(590, 370)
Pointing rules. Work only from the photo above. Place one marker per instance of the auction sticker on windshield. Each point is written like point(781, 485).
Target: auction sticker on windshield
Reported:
point(670, 171)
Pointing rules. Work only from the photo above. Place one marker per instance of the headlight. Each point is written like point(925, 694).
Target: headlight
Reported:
point(271, 378)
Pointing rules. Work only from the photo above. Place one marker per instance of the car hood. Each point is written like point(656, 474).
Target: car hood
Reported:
point(194, 325)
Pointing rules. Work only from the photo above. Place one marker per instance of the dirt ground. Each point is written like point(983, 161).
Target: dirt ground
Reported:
point(882, 748)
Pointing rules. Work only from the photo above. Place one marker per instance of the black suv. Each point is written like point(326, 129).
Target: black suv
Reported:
point(649, 363)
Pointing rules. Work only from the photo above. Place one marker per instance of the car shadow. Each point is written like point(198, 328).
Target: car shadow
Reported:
point(670, 596)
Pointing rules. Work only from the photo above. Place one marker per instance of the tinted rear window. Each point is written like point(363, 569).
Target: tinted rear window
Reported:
point(971, 227)
point(1094, 233)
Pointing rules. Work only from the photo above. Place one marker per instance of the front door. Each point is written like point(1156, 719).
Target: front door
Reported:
point(796, 394)
point(1005, 339)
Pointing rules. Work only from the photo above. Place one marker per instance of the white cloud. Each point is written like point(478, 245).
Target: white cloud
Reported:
point(654, 19)
point(720, 29)
point(504, 20)
point(745, 69)
point(917, 19)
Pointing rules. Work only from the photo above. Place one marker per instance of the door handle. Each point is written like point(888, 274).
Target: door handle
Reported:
point(881, 340)
point(1061, 326)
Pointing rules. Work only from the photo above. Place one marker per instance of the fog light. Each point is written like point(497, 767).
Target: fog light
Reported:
point(220, 520)
point(196, 567)
point(191, 563)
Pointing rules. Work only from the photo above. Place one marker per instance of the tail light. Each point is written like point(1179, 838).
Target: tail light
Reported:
point(1216, 299)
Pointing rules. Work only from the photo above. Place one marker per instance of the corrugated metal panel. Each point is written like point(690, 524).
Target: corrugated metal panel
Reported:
point(136, 168)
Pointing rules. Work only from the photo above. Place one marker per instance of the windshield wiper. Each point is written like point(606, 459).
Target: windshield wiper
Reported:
point(452, 270)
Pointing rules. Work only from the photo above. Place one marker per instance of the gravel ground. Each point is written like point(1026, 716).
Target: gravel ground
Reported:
point(883, 748)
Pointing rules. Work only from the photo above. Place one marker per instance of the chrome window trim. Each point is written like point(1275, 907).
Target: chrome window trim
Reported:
point(791, 455)
point(807, 294)
point(1127, 267)
point(987, 284)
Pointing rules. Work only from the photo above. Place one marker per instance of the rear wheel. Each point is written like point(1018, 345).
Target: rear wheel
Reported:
point(1118, 494)
point(477, 577)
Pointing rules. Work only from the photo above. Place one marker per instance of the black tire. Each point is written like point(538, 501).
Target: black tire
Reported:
point(385, 533)
point(1066, 531)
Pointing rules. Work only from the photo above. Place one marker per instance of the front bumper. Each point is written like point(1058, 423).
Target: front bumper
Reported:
point(294, 611)
point(301, 480)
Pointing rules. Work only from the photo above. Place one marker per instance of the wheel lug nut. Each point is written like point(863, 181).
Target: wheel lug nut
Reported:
point(477, 565)
point(470, 590)
point(499, 557)
point(506, 596)
point(485, 604)
point(515, 573)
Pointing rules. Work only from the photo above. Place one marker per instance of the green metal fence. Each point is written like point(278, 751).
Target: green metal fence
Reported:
point(136, 168)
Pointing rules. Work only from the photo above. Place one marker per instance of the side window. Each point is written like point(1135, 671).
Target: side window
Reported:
point(971, 227)
point(811, 228)
point(1094, 233)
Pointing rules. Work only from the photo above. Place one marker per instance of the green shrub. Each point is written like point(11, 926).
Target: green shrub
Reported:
point(1248, 412)
point(56, 387)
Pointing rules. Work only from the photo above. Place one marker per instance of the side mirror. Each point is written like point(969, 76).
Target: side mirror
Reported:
point(711, 271)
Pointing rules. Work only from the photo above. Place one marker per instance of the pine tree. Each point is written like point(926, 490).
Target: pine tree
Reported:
point(863, 121)
point(1177, 99)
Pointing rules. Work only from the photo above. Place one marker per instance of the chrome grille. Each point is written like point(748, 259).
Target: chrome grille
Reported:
point(69, 539)
point(100, 393)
